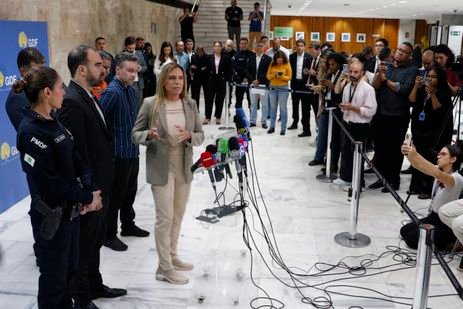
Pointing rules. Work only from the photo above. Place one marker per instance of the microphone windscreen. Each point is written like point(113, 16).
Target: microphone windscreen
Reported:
point(223, 146)
point(207, 160)
point(233, 143)
point(211, 148)
point(242, 115)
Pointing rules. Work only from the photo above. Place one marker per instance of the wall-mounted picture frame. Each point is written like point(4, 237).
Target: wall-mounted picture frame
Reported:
point(270, 35)
point(361, 37)
point(315, 36)
point(300, 36)
point(345, 37)
point(330, 36)
point(284, 38)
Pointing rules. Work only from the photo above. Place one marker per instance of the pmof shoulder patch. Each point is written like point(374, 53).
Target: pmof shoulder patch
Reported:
point(29, 160)
point(39, 143)
point(59, 138)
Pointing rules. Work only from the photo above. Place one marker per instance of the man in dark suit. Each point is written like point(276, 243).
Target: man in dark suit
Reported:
point(300, 61)
point(82, 116)
point(372, 63)
point(315, 52)
point(257, 70)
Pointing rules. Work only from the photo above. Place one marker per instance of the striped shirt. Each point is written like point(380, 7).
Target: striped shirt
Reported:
point(119, 105)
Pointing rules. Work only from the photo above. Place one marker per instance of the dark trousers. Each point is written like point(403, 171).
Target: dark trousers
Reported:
point(360, 132)
point(58, 263)
point(123, 195)
point(313, 102)
point(443, 235)
point(234, 33)
point(240, 91)
point(389, 136)
point(196, 85)
point(322, 138)
point(92, 231)
point(216, 95)
point(305, 104)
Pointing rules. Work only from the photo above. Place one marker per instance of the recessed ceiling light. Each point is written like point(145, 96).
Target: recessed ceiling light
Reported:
point(346, 4)
point(402, 2)
point(385, 6)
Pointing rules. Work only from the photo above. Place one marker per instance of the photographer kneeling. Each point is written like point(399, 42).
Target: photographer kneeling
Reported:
point(447, 187)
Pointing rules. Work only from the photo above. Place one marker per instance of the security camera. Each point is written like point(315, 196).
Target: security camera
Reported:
point(289, 6)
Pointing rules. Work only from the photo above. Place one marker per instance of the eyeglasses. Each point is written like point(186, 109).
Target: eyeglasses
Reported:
point(379, 45)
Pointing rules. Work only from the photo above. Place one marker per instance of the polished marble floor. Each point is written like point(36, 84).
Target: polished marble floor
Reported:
point(304, 215)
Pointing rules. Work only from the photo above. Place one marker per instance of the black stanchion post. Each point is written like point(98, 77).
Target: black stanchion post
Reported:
point(423, 266)
point(226, 109)
point(352, 239)
point(327, 177)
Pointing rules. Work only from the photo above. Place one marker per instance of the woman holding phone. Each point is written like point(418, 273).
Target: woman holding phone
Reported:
point(279, 74)
point(169, 125)
point(447, 187)
point(431, 123)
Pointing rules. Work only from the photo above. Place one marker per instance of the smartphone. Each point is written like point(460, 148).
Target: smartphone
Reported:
point(408, 139)
point(422, 72)
point(345, 68)
point(279, 73)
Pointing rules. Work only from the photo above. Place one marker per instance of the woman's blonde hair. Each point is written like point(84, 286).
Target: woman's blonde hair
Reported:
point(160, 97)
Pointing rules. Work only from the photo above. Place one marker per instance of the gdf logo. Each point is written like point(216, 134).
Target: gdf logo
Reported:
point(5, 151)
point(7, 80)
point(22, 40)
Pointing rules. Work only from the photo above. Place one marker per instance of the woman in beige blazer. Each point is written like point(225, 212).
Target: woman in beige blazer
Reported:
point(169, 125)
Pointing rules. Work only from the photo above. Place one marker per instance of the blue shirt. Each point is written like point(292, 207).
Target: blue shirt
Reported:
point(119, 105)
point(183, 59)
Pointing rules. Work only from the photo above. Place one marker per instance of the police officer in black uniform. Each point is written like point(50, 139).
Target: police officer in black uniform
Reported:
point(58, 185)
point(242, 74)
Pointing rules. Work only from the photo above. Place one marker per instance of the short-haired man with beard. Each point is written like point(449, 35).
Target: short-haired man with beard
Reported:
point(393, 83)
point(358, 107)
point(120, 107)
point(82, 116)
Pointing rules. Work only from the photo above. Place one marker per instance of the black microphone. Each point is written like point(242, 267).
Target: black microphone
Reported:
point(235, 154)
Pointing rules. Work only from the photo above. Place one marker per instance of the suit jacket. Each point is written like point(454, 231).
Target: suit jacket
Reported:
point(143, 68)
point(157, 150)
point(92, 138)
point(313, 79)
point(370, 64)
point(225, 68)
point(259, 73)
point(305, 64)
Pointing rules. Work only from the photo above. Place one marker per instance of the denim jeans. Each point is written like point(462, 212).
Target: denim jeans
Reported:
point(280, 98)
point(263, 107)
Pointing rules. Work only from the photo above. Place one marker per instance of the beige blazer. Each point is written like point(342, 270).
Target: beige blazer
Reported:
point(157, 150)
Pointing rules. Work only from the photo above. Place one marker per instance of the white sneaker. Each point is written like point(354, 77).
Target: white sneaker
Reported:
point(340, 182)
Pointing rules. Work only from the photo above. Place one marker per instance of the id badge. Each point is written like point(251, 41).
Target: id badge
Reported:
point(422, 116)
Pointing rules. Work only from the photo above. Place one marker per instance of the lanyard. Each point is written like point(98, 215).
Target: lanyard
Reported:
point(352, 92)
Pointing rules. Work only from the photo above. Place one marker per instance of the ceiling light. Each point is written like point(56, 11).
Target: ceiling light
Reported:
point(385, 6)
point(402, 2)
point(392, 4)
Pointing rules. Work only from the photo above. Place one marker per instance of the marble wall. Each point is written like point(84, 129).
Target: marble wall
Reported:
point(71, 22)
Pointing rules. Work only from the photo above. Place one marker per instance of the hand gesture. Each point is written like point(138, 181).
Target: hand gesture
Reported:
point(419, 81)
point(153, 132)
point(183, 135)
point(312, 72)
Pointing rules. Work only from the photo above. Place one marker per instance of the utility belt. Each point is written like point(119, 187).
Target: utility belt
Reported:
point(53, 212)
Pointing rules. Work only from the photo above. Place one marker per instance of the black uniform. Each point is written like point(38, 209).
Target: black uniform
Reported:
point(52, 165)
point(241, 65)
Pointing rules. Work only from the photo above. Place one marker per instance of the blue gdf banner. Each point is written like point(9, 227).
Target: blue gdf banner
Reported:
point(14, 36)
